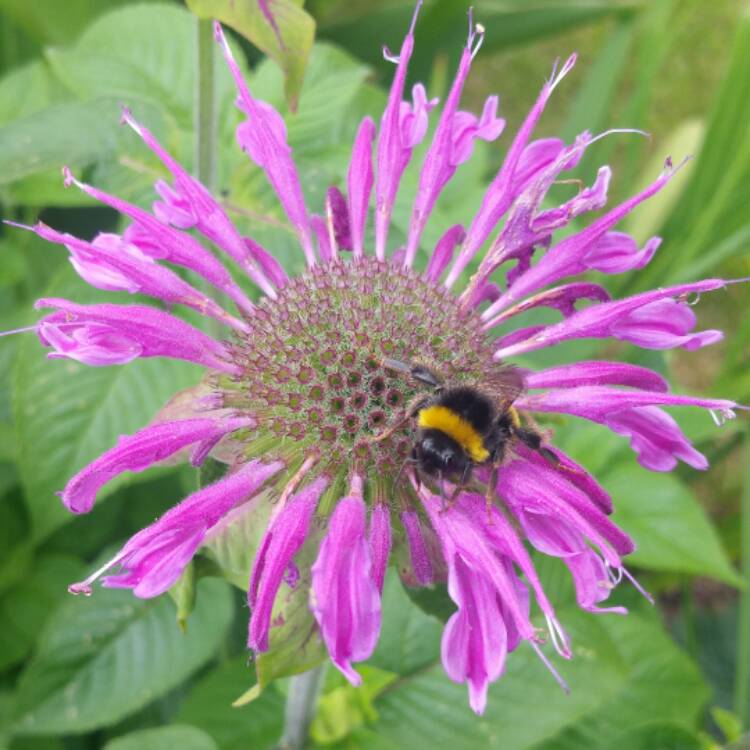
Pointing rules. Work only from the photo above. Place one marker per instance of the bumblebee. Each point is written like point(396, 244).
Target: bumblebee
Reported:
point(461, 427)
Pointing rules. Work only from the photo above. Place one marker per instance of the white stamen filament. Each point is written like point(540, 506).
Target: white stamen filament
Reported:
point(558, 637)
point(547, 663)
point(638, 587)
point(84, 587)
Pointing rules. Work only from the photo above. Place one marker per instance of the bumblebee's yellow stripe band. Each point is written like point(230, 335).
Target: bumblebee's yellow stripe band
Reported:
point(447, 421)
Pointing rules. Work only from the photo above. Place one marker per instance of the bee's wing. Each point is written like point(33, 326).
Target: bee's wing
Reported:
point(505, 384)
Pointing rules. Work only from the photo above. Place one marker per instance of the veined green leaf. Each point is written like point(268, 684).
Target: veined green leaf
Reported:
point(670, 527)
point(104, 657)
point(281, 28)
point(209, 706)
point(162, 738)
point(66, 413)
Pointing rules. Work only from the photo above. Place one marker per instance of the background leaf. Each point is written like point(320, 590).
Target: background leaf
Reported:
point(280, 28)
point(104, 657)
point(182, 737)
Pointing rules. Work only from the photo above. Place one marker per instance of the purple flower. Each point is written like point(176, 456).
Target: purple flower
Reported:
point(302, 400)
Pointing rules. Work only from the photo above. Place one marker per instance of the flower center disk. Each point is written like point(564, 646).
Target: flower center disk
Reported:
point(313, 370)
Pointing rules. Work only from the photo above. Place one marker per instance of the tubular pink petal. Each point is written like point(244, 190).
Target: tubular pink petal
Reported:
point(443, 252)
point(393, 153)
point(208, 217)
point(112, 264)
point(271, 267)
point(337, 214)
point(263, 137)
point(360, 179)
point(460, 537)
point(319, 227)
point(153, 560)
point(562, 298)
point(115, 334)
point(284, 537)
point(380, 542)
point(160, 241)
point(631, 319)
point(451, 145)
point(475, 641)
point(140, 451)
point(420, 559)
point(656, 438)
point(345, 598)
point(500, 194)
point(596, 373)
point(529, 486)
point(501, 534)
point(570, 256)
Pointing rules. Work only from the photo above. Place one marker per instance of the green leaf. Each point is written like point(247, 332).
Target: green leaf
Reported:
point(163, 738)
point(525, 706)
point(280, 28)
point(137, 54)
point(343, 708)
point(409, 638)
point(671, 529)
point(66, 414)
point(50, 21)
point(25, 91)
point(712, 207)
point(442, 26)
point(662, 685)
point(58, 135)
point(256, 725)
point(659, 735)
point(26, 607)
point(105, 657)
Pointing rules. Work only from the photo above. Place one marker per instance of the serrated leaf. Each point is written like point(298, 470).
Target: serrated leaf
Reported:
point(209, 706)
point(671, 529)
point(66, 413)
point(142, 53)
point(105, 657)
point(163, 738)
point(280, 28)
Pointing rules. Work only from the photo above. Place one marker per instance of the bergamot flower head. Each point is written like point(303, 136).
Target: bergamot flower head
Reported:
point(312, 396)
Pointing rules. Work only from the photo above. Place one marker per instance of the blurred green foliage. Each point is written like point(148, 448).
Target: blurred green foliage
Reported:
point(117, 672)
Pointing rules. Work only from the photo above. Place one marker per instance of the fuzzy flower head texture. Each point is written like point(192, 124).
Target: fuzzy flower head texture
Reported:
point(302, 401)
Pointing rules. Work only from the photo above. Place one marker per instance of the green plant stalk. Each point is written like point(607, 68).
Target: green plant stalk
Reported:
point(301, 702)
point(204, 115)
point(742, 675)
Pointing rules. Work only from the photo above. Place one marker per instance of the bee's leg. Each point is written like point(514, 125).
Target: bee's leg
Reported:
point(462, 484)
point(412, 459)
point(491, 487)
point(443, 501)
point(533, 440)
point(411, 410)
point(496, 461)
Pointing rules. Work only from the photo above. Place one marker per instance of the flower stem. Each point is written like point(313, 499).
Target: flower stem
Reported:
point(300, 707)
point(204, 116)
point(742, 675)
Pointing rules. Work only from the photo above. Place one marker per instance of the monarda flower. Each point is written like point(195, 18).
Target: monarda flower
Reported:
point(299, 393)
